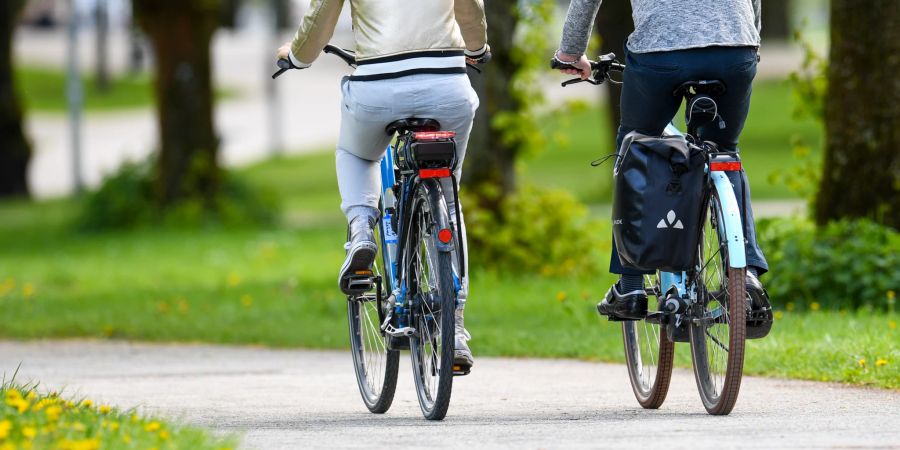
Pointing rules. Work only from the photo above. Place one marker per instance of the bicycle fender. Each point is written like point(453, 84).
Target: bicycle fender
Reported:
point(441, 217)
point(734, 229)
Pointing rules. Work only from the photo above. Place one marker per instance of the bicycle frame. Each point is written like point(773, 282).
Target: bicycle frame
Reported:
point(732, 224)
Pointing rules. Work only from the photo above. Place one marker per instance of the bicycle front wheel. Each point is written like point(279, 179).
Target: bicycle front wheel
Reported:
point(433, 298)
point(649, 354)
point(375, 364)
point(718, 326)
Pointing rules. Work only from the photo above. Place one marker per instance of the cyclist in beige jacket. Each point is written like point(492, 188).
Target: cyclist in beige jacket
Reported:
point(411, 58)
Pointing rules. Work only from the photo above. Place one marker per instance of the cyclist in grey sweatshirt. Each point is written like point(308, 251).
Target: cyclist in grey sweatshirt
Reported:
point(676, 41)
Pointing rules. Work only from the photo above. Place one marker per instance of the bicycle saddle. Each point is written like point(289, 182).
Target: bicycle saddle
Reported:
point(412, 124)
point(689, 89)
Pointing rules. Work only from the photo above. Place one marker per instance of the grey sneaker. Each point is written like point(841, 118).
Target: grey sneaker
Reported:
point(462, 356)
point(361, 249)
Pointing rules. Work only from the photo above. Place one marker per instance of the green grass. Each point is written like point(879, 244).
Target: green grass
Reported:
point(765, 144)
point(31, 419)
point(44, 90)
point(276, 287)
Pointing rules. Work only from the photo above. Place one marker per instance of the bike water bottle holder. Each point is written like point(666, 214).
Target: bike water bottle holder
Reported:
point(426, 151)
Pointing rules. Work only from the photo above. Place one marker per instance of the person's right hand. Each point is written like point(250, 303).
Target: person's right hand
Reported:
point(580, 66)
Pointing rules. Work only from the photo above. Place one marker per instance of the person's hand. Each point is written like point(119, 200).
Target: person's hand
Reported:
point(284, 52)
point(580, 65)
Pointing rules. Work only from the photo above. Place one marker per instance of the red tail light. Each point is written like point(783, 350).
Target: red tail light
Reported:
point(433, 135)
point(731, 166)
point(445, 236)
point(434, 173)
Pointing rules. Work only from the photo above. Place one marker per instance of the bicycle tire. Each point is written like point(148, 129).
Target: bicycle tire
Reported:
point(718, 374)
point(649, 355)
point(376, 366)
point(431, 348)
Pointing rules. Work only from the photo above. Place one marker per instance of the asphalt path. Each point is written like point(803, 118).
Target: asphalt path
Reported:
point(308, 399)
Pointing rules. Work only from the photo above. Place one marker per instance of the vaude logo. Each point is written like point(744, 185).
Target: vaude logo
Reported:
point(669, 221)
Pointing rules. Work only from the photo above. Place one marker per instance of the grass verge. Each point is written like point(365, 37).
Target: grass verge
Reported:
point(29, 419)
point(276, 287)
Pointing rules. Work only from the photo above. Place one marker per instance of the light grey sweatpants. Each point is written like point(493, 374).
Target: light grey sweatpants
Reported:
point(369, 106)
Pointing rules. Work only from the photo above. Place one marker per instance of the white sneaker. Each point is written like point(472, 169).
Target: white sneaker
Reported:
point(462, 356)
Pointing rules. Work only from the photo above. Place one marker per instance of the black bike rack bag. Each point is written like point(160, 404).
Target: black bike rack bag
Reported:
point(657, 203)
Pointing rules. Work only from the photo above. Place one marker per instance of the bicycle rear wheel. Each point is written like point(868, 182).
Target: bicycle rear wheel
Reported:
point(718, 328)
point(376, 366)
point(432, 293)
point(649, 354)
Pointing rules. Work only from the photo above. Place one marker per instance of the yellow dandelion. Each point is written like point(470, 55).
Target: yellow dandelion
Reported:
point(87, 403)
point(162, 307)
point(114, 426)
point(233, 279)
point(814, 306)
point(27, 290)
point(789, 306)
point(7, 286)
point(892, 324)
point(31, 395)
point(8, 446)
point(891, 295)
point(5, 426)
point(126, 438)
point(183, 306)
point(246, 300)
point(105, 409)
point(164, 435)
point(881, 362)
point(862, 362)
point(778, 315)
point(13, 394)
point(29, 432)
point(561, 296)
point(152, 427)
point(53, 413)
point(134, 418)
point(78, 426)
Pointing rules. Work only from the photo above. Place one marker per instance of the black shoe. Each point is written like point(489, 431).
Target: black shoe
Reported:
point(759, 310)
point(629, 306)
point(356, 273)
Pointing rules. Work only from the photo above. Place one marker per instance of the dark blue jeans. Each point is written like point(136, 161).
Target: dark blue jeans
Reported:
point(648, 106)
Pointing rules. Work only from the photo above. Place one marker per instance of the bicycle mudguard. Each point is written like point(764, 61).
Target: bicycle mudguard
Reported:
point(734, 229)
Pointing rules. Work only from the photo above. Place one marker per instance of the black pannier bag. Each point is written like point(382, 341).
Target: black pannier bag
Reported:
point(657, 202)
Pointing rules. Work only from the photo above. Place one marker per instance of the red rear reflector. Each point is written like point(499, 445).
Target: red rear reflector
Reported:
point(445, 235)
point(731, 166)
point(433, 135)
point(434, 173)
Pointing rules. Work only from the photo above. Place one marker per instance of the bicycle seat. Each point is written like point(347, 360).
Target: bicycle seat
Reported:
point(412, 124)
point(689, 89)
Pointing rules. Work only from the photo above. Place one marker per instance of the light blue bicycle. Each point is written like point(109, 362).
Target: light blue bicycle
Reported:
point(705, 306)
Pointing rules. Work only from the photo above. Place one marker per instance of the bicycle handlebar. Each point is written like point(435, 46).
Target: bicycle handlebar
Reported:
point(599, 70)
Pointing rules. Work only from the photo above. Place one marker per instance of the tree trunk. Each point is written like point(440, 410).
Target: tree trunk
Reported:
point(776, 19)
point(614, 25)
point(861, 173)
point(15, 150)
point(490, 162)
point(180, 33)
point(101, 24)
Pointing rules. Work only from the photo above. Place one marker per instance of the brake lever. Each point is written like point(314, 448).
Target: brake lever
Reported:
point(593, 81)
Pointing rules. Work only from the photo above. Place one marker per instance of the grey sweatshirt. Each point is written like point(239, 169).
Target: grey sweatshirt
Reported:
point(665, 25)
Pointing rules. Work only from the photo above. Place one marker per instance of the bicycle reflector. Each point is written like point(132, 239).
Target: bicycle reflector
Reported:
point(725, 166)
point(433, 135)
point(434, 173)
point(445, 236)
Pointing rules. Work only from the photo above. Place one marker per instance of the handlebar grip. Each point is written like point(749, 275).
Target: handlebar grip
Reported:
point(284, 63)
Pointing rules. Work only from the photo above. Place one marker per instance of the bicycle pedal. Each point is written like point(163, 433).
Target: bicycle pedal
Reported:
point(460, 370)
point(360, 283)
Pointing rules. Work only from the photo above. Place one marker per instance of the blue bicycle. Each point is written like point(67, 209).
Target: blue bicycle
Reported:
point(408, 299)
point(707, 305)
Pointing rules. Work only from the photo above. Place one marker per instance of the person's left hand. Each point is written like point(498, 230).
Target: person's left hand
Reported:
point(284, 52)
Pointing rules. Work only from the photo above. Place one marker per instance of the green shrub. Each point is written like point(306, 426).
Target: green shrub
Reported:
point(844, 265)
point(545, 232)
point(126, 200)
